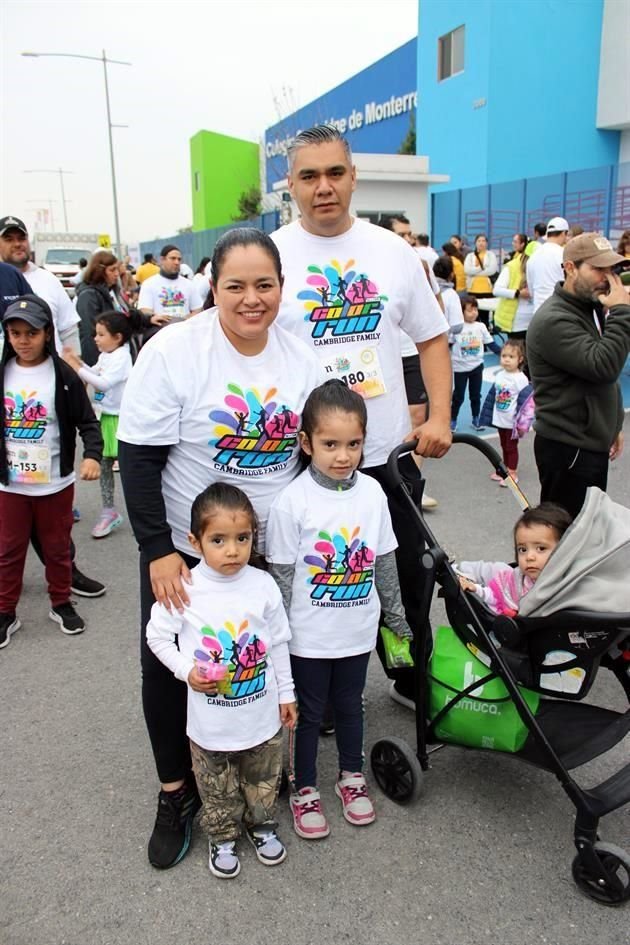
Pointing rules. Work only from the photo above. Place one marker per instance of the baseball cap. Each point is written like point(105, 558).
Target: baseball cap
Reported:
point(591, 248)
point(557, 225)
point(30, 309)
point(12, 223)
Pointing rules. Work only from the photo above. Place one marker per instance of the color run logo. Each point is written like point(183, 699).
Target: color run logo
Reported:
point(341, 301)
point(254, 433)
point(25, 416)
point(342, 569)
point(172, 298)
point(504, 398)
point(243, 655)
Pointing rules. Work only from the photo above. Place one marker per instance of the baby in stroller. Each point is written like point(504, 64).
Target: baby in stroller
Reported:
point(501, 586)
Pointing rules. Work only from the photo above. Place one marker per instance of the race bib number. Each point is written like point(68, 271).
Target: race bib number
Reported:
point(28, 463)
point(360, 369)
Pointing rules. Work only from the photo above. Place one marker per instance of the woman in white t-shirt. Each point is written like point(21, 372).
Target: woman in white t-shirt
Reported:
point(216, 398)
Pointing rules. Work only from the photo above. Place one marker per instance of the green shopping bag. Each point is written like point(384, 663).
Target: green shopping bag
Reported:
point(486, 717)
point(397, 655)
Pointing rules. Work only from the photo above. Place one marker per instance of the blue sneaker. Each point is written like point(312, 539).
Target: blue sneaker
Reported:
point(477, 425)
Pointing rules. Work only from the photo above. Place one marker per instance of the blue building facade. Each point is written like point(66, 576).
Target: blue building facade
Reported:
point(375, 110)
point(525, 102)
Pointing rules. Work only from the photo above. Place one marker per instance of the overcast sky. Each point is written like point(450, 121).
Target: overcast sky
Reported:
point(221, 65)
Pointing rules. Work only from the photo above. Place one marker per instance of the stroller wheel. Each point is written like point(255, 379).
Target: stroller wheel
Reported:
point(615, 863)
point(396, 769)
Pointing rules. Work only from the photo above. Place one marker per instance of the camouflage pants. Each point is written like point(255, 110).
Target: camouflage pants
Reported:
point(237, 786)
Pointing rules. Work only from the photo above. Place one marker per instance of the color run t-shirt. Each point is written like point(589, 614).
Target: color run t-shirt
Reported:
point(508, 385)
point(332, 538)
point(467, 350)
point(348, 296)
point(234, 623)
point(225, 416)
point(176, 298)
point(31, 430)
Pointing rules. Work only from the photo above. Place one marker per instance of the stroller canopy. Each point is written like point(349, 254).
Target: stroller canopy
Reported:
point(590, 568)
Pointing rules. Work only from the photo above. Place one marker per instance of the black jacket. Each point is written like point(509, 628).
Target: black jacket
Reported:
point(92, 301)
point(74, 412)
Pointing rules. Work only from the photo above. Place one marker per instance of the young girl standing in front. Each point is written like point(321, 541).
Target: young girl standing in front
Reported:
point(331, 547)
point(230, 646)
point(108, 378)
point(505, 401)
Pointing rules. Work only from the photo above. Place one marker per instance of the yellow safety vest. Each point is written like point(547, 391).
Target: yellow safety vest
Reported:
point(505, 312)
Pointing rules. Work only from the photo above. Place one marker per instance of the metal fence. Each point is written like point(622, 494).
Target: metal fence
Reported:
point(597, 198)
point(194, 246)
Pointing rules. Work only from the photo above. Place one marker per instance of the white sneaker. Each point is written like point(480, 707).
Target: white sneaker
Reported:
point(356, 804)
point(223, 861)
point(267, 844)
point(428, 502)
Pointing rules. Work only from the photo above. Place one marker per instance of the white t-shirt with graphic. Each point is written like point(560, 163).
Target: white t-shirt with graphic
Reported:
point(31, 430)
point(225, 416)
point(332, 538)
point(348, 296)
point(467, 350)
point(238, 623)
point(108, 378)
point(508, 385)
point(176, 298)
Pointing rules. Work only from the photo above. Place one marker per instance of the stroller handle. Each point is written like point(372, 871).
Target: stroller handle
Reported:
point(393, 470)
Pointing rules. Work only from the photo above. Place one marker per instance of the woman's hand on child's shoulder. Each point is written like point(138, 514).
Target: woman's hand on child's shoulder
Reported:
point(288, 714)
point(200, 683)
point(90, 469)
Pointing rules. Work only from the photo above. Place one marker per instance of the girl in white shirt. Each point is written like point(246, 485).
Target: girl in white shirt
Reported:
point(230, 646)
point(331, 547)
point(108, 377)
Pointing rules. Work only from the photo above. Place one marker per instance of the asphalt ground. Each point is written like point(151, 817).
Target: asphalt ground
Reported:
point(483, 857)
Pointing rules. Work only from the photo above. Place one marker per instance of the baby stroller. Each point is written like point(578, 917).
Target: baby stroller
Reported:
point(589, 569)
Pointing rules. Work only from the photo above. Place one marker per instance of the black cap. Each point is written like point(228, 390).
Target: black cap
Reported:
point(30, 309)
point(12, 223)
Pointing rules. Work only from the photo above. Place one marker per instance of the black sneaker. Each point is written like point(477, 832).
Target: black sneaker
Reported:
point(84, 586)
point(9, 623)
point(224, 861)
point(67, 618)
point(173, 827)
point(269, 847)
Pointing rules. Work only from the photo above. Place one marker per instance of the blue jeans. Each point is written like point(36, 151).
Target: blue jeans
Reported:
point(340, 682)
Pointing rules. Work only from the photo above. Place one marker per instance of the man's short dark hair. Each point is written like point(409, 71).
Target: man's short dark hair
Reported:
point(82, 262)
point(423, 239)
point(168, 249)
point(540, 229)
point(148, 257)
point(319, 134)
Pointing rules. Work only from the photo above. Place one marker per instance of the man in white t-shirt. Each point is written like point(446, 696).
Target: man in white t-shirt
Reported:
point(544, 267)
point(349, 288)
point(169, 293)
point(16, 251)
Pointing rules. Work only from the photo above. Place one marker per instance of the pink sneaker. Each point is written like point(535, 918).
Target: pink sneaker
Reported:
point(357, 806)
point(109, 520)
point(309, 820)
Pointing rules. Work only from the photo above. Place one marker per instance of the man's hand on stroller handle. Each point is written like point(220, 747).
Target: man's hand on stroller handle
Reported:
point(434, 438)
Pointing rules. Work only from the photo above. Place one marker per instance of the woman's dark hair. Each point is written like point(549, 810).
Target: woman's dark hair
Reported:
point(450, 250)
point(244, 236)
point(623, 246)
point(99, 262)
point(327, 398)
point(443, 268)
point(203, 262)
point(220, 495)
point(116, 323)
point(547, 513)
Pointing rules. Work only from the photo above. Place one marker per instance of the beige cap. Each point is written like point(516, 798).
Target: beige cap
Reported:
point(591, 248)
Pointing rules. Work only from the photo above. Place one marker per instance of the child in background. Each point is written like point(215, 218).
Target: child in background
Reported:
point(108, 378)
point(44, 405)
point(230, 646)
point(331, 548)
point(444, 276)
point(467, 360)
point(509, 406)
point(501, 586)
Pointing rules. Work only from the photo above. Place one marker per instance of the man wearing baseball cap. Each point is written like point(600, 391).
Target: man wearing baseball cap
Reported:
point(544, 268)
point(577, 345)
point(16, 251)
